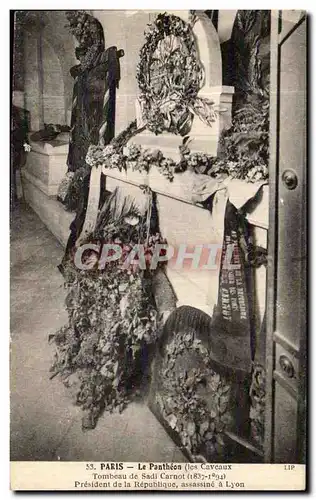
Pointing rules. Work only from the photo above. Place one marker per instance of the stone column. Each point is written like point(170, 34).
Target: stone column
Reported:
point(33, 70)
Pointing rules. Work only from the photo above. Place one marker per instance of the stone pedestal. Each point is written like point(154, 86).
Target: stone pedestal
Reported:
point(203, 138)
point(167, 143)
point(47, 163)
point(183, 222)
point(18, 98)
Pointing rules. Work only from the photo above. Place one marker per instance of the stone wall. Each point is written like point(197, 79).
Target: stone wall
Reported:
point(31, 82)
point(125, 29)
point(49, 53)
point(63, 44)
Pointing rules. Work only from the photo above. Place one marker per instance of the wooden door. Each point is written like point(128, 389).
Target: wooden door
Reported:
point(286, 296)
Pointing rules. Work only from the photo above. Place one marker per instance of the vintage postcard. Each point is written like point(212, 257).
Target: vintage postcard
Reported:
point(158, 250)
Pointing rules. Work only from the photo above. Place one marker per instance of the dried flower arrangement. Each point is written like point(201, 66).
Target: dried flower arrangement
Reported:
point(170, 75)
point(196, 402)
point(112, 318)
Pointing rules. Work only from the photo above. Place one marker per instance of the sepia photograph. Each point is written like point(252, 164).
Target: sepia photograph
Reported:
point(158, 255)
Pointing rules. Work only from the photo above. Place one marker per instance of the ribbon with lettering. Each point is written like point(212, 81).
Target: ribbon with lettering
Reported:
point(231, 325)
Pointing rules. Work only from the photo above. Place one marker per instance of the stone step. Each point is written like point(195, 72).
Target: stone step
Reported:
point(49, 210)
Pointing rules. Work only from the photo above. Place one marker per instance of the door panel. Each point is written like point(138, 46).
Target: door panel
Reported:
point(286, 296)
point(292, 156)
point(286, 416)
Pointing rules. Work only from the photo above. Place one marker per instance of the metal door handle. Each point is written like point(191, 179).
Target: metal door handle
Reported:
point(286, 366)
point(289, 179)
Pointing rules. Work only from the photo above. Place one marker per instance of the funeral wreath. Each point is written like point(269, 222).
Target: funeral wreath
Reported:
point(170, 76)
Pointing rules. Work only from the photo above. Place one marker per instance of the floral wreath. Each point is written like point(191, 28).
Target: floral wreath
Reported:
point(199, 422)
point(171, 104)
point(122, 154)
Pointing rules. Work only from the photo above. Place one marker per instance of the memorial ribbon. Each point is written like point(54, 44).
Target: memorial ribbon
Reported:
point(231, 325)
point(231, 336)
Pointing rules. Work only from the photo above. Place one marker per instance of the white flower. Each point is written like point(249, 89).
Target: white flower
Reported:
point(231, 165)
point(108, 150)
point(132, 221)
point(124, 303)
point(27, 147)
point(89, 160)
point(115, 159)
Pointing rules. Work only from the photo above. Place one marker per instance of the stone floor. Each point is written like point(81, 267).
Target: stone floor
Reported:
point(44, 423)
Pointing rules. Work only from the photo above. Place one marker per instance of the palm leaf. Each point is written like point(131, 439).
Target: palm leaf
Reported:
point(204, 109)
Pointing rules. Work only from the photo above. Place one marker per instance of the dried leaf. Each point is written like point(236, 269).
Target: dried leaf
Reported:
point(227, 419)
point(172, 420)
point(214, 382)
point(210, 448)
point(122, 287)
point(213, 413)
point(225, 388)
point(224, 399)
point(212, 426)
point(191, 428)
point(204, 427)
point(220, 439)
point(222, 406)
point(209, 435)
point(204, 109)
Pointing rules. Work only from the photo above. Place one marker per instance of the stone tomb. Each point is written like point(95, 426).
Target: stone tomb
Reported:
point(45, 167)
point(182, 221)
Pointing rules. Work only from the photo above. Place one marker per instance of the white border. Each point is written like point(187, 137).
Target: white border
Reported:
point(4, 184)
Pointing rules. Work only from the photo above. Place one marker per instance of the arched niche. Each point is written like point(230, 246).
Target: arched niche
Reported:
point(44, 82)
point(57, 34)
point(226, 19)
point(49, 53)
point(53, 86)
point(206, 138)
point(32, 91)
point(209, 49)
point(208, 44)
point(125, 29)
